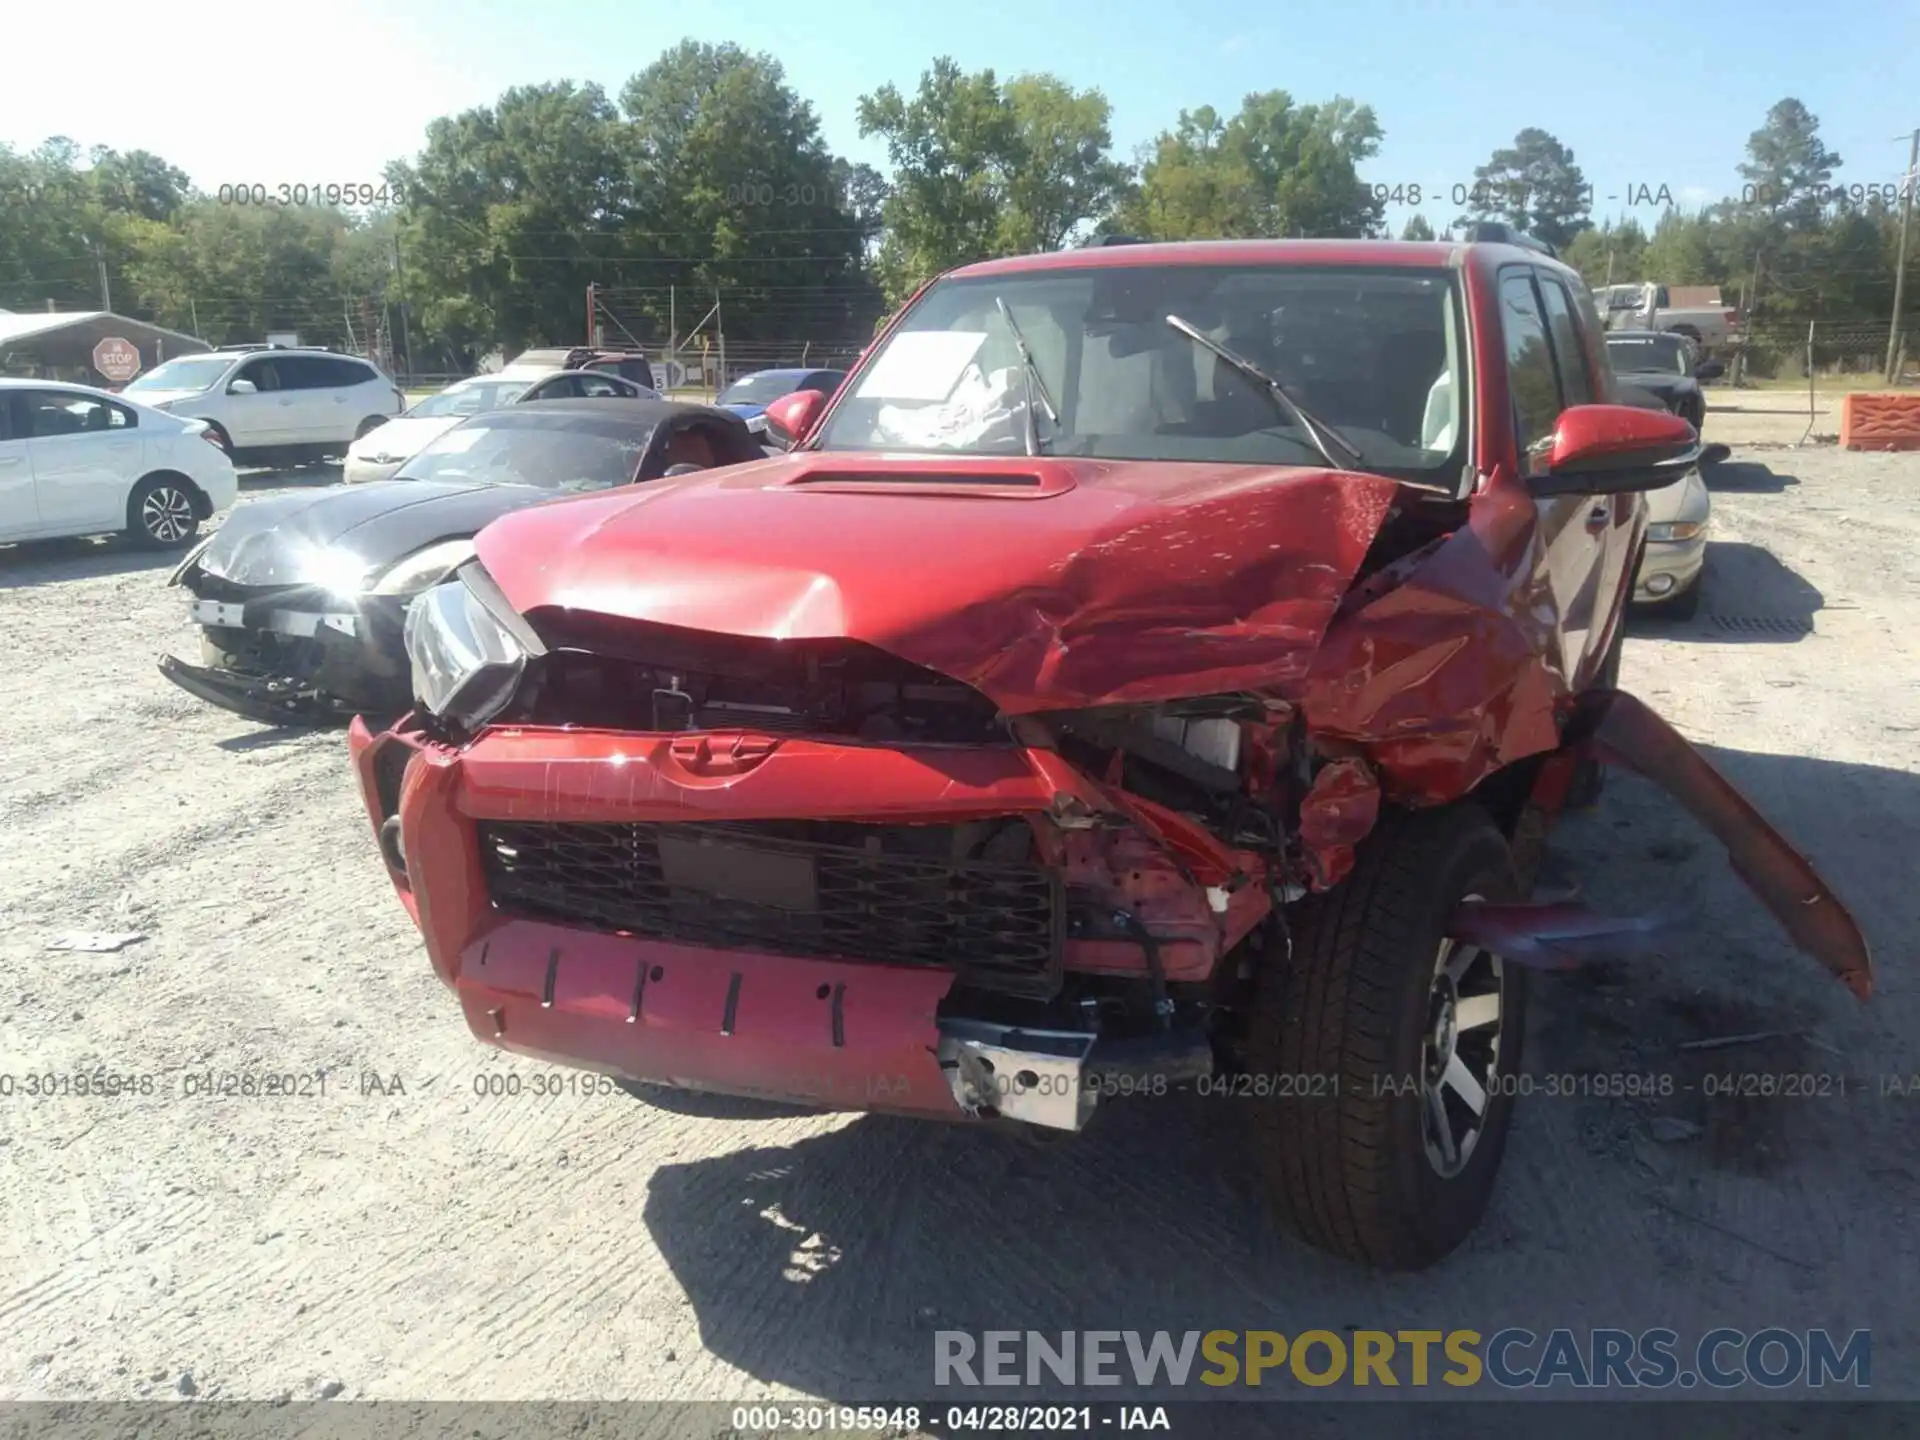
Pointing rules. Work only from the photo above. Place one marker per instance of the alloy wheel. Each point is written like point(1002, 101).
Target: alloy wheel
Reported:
point(1460, 1052)
point(167, 515)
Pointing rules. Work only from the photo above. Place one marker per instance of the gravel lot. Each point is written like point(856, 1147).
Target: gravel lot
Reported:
point(410, 1238)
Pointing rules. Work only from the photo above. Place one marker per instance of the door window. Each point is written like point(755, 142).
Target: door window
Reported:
point(561, 387)
point(264, 375)
point(1569, 354)
point(1531, 379)
point(599, 386)
point(49, 413)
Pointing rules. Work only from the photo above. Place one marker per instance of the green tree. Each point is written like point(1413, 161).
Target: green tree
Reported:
point(983, 169)
point(1417, 228)
point(1276, 169)
point(1788, 166)
point(1535, 185)
point(728, 185)
point(507, 212)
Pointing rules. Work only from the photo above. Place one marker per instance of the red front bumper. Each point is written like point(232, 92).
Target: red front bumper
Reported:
point(842, 1034)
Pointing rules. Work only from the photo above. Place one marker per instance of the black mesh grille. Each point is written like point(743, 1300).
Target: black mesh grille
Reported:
point(890, 895)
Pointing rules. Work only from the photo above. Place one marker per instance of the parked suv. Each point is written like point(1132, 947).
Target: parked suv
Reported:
point(1156, 668)
point(269, 404)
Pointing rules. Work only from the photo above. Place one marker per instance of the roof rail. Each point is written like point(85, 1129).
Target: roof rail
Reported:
point(1498, 232)
point(1099, 240)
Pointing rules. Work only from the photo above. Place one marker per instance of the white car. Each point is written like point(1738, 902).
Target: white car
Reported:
point(379, 454)
point(1678, 519)
point(78, 461)
point(272, 404)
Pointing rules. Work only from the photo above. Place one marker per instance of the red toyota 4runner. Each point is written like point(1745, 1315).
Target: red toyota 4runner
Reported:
point(1156, 668)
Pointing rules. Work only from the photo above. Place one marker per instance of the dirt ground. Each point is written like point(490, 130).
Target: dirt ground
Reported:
point(395, 1232)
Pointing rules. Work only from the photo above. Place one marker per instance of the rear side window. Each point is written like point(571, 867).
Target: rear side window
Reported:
point(307, 372)
point(1530, 373)
point(1570, 355)
point(348, 373)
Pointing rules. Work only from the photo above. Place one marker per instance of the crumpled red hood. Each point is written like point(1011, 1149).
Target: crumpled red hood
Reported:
point(1104, 582)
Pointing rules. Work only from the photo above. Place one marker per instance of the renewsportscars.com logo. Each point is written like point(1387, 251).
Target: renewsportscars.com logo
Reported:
point(1724, 1359)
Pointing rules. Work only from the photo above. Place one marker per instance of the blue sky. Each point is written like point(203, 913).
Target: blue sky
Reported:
point(1645, 94)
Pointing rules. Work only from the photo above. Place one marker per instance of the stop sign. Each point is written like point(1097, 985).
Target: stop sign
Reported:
point(117, 359)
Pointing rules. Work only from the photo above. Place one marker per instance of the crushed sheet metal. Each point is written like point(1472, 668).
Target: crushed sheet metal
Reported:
point(1138, 583)
point(1449, 676)
point(1336, 815)
point(1558, 934)
point(1624, 731)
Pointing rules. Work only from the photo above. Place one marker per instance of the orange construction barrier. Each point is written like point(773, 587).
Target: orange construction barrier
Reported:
point(1880, 422)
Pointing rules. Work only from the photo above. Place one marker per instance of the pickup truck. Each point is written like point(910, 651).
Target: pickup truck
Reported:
point(1648, 307)
point(1155, 669)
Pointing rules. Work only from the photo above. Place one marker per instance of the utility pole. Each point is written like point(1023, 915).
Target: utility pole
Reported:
point(106, 290)
point(720, 334)
point(1900, 265)
point(593, 311)
point(400, 283)
point(1609, 267)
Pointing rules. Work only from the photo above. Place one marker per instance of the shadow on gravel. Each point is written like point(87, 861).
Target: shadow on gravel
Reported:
point(52, 562)
point(266, 739)
point(1746, 477)
point(1750, 597)
point(829, 1264)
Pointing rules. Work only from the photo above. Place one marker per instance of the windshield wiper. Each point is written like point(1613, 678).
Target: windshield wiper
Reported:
point(1326, 439)
point(1033, 378)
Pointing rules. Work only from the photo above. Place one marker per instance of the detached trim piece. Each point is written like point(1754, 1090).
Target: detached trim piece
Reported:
point(1625, 732)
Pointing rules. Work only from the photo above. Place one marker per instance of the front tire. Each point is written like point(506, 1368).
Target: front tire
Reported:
point(163, 513)
point(1392, 1031)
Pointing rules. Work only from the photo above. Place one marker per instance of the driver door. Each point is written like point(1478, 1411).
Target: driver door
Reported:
point(266, 417)
point(1574, 529)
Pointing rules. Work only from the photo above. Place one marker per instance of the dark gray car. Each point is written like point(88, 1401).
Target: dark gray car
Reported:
point(1665, 367)
point(302, 599)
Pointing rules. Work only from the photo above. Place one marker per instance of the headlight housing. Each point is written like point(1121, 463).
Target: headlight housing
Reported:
point(1676, 530)
point(467, 649)
point(426, 567)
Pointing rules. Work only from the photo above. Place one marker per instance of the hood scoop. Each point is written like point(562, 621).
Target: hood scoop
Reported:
point(915, 475)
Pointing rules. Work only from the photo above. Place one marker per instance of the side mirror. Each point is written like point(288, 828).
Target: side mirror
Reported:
point(791, 417)
point(1613, 450)
point(1709, 370)
point(243, 387)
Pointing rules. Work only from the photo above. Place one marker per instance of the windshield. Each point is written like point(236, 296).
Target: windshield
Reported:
point(189, 372)
point(470, 398)
point(563, 453)
point(1660, 353)
point(1374, 352)
point(759, 389)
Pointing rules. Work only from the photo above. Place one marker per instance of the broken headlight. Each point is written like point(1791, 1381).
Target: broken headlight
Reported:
point(467, 648)
point(415, 572)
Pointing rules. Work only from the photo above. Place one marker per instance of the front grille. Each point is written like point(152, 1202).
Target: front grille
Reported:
point(889, 895)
